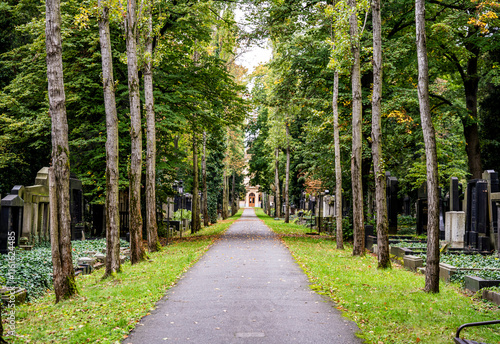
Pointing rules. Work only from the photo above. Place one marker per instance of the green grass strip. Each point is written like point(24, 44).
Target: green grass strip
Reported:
point(389, 306)
point(106, 310)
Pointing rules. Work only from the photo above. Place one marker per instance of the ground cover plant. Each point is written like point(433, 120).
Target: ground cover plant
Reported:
point(389, 306)
point(34, 268)
point(106, 310)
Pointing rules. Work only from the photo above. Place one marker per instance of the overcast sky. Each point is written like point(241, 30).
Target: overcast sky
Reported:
point(254, 55)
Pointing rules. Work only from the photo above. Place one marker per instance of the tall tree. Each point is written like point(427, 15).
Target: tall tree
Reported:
point(151, 226)
point(195, 214)
point(432, 267)
point(112, 170)
point(225, 193)
point(277, 200)
point(287, 173)
point(357, 186)
point(378, 162)
point(60, 219)
point(136, 249)
point(204, 206)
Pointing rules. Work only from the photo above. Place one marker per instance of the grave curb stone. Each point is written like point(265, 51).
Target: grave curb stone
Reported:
point(474, 283)
point(446, 271)
point(413, 262)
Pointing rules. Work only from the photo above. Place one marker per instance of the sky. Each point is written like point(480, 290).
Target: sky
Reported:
point(251, 56)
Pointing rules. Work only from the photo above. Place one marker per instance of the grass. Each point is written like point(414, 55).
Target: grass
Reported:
point(389, 306)
point(106, 310)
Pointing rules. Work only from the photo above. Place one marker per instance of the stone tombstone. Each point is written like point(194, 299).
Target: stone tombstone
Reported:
point(11, 217)
point(422, 209)
point(454, 194)
point(36, 209)
point(476, 218)
point(492, 178)
point(407, 205)
point(329, 206)
point(76, 207)
point(392, 203)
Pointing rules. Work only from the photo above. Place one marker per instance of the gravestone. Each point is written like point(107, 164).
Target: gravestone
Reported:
point(493, 187)
point(11, 218)
point(76, 208)
point(392, 202)
point(476, 218)
point(36, 209)
point(422, 210)
point(407, 205)
point(454, 195)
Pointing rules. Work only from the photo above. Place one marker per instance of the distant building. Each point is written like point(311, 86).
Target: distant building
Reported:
point(253, 197)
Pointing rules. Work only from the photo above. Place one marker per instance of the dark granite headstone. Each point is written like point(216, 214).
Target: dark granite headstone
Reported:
point(454, 195)
point(76, 208)
point(422, 209)
point(407, 205)
point(476, 219)
point(392, 203)
point(11, 218)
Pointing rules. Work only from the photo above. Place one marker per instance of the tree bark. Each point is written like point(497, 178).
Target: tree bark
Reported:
point(378, 163)
point(277, 201)
point(112, 170)
point(151, 225)
point(234, 209)
point(137, 253)
point(432, 268)
point(60, 224)
point(204, 181)
point(338, 166)
point(195, 214)
point(224, 195)
point(471, 131)
point(357, 186)
point(287, 175)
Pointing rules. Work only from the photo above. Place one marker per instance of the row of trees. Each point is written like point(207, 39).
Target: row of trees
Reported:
point(348, 90)
point(121, 76)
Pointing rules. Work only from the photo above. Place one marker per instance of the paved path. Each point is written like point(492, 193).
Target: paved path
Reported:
point(246, 289)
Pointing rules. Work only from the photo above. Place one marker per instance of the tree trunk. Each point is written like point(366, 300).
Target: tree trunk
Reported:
point(224, 195)
point(471, 132)
point(151, 225)
point(432, 268)
point(277, 201)
point(357, 186)
point(195, 214)
point(60, 224)
point(287, 175)
point(378, 162)
point(204, 181)
point(338, 166)
point(137, 253)
point(112, 169)
point(233, 196)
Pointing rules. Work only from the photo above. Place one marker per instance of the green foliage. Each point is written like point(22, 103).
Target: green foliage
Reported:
point(33, 269)
point(182, 215)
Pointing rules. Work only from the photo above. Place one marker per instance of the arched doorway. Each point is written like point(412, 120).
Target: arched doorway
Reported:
point(251, 200)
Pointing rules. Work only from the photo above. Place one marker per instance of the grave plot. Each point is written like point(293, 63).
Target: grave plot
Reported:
point(33, 269)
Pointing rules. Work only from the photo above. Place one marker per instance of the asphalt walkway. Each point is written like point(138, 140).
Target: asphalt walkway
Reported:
point(246, 289)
